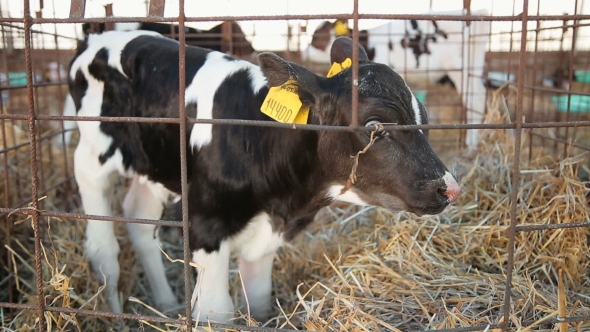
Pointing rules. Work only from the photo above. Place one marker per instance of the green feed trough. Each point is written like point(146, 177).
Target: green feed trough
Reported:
point(578, 103)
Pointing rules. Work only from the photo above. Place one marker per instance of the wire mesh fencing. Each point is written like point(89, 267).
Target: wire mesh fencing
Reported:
point(537, 82)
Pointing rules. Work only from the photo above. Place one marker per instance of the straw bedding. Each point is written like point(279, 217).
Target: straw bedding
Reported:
point(364, 268)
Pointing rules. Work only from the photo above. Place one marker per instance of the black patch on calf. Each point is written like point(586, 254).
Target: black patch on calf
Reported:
point(78, 88)
point(117, 101)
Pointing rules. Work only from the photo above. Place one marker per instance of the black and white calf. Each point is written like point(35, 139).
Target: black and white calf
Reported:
point(250, 188)
point(434, 45)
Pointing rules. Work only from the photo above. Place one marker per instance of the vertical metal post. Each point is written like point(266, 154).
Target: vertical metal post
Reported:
point(183, 167)
point(156, 8)
point(531, 112)
point(28, 22)
point(60, 96)
point(108, 12)
point(511, 231)
point(5, 31)
point(355, 67)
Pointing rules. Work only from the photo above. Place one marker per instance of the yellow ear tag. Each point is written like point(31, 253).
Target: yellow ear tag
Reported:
point(283, 105)
point(338, 67)
point(340, 29)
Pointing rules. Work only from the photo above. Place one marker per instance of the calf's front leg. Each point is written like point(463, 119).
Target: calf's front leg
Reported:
point(257, 277)
point(213, 300)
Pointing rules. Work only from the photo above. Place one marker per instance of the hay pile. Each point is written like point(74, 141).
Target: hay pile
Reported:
point(364, 268)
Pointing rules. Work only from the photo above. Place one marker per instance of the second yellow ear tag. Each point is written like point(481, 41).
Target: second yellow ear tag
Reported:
point(338, 67)
point(283, 105)
point(340, 29)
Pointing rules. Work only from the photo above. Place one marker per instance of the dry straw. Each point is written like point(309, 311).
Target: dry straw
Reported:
point(367, 269)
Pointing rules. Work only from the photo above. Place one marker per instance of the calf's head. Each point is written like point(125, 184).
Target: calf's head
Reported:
point(399, 171)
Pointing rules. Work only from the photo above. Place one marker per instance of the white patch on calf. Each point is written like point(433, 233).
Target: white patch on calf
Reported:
point(204, 86)
point(349, 196)
point(69, 110)
point(415, 108)
point(257, 239)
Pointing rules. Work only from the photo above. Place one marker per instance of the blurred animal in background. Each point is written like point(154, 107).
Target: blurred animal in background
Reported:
point(428, 49)
point(54, 73)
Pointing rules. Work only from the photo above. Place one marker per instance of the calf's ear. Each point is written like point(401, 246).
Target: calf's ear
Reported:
point(278, 71)
point(342, 49)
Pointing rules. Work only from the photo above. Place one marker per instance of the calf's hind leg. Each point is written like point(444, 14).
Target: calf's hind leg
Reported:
point(145, 200)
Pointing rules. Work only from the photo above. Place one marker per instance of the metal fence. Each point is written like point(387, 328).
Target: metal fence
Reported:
point(35, 182)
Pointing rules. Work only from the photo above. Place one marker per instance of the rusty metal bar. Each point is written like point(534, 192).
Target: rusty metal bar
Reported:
point(41, 194)
point(559, 140)
point(40, 100)
point(307, 126)
point(108, 12)
point(516, 18)
point(555, 90)
point(26, 211)
point(183, 164)
point(565, 26)
point(511, 231)
point(570, 79)
point(35, 85)
point(18, 27)
point(156, 8)
point(33, 159)
point(77, 8)
point(43, 138)
point(355, 66)
point(138, 317)
point(97, 313)
point(158, 319)
point(527, 228)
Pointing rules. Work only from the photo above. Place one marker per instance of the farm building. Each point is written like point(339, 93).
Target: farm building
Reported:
point(433, 176)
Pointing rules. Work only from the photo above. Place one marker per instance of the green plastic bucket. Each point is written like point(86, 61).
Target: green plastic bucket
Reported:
point(420, 95)
point(583, 76)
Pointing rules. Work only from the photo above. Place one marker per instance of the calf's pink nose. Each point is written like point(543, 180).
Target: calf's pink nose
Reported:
point(453, 190)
